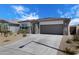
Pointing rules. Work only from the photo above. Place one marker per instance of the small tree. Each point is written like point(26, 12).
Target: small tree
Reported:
point(23, 31)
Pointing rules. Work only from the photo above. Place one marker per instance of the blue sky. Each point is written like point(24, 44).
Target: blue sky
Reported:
point(35, 11)
point(7, 11)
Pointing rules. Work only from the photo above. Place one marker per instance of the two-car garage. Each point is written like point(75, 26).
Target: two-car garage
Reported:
point(51, 29)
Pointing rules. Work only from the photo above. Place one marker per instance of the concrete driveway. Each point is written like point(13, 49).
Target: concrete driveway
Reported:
point(33, 44)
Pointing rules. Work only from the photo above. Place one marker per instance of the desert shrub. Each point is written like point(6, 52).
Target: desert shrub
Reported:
point(76, 38)
point(22, 31)
point(24, 35)
point(77, 47)
point(18, 32)
point(10, 32)
point(69, 51)
point(68, 41)
point(6, 33)
point(6, 40)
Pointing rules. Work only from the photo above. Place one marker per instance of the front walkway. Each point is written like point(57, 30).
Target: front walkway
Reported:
point(33, 44)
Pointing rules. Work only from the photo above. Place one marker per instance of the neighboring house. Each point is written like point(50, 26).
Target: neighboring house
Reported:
point(3, 25)
point(8, 26)
point(46, 26)
point(74, 30)
point(14, 26)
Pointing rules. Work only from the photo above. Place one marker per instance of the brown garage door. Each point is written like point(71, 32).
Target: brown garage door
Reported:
point(51, 29)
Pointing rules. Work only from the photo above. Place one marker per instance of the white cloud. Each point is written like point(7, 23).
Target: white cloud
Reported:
point(23, 13)
point(30, 16)
point(19, 9)
point(72, 13)
point(74, 21)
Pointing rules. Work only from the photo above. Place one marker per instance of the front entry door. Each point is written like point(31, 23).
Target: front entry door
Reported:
point(35, 28)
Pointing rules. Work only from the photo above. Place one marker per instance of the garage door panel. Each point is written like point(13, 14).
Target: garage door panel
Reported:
point(51, 29)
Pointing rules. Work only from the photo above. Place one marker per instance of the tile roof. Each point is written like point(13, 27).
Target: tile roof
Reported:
point(3, 21)
point(8, 21)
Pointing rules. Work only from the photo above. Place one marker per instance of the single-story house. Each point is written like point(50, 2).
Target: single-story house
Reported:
point(74, 27)
point(9, 26)
point(56, 26)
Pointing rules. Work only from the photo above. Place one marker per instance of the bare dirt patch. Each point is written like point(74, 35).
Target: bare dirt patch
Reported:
point(10, 38)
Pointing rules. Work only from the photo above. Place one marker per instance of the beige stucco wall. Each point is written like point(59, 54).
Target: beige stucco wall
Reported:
point(14, 28)
point(68, 31)
point(77, 30)
point(55, 22)
point(51, 22)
